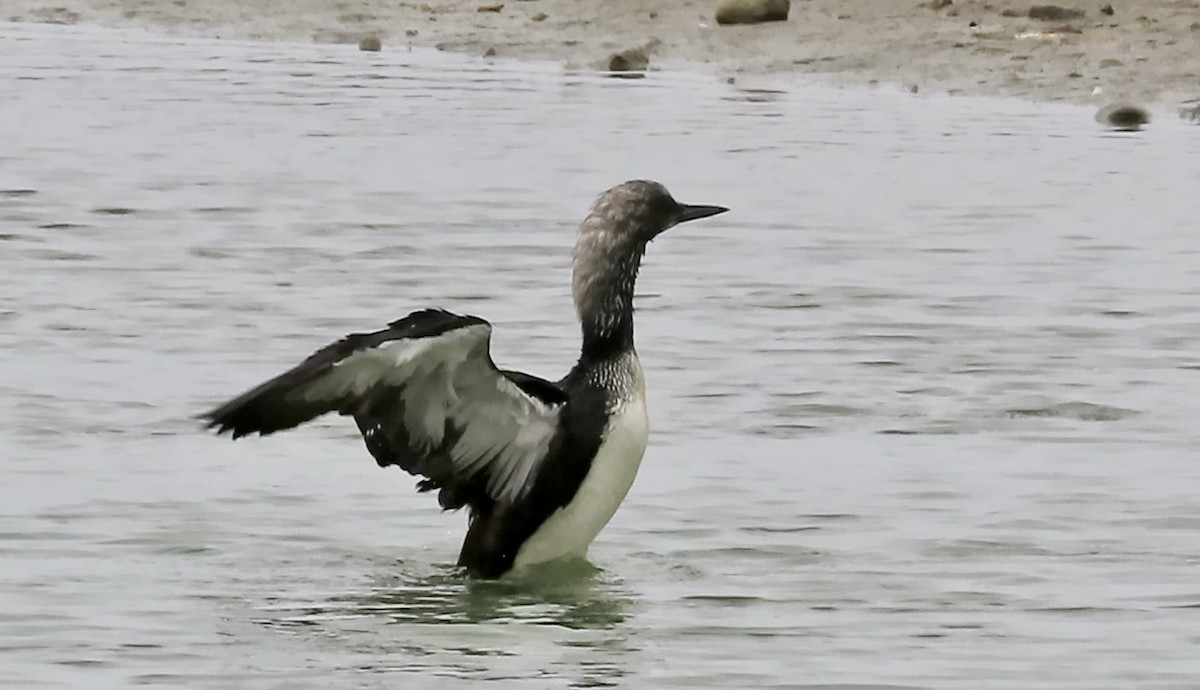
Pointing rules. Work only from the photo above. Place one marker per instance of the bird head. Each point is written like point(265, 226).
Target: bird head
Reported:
point(635, 212)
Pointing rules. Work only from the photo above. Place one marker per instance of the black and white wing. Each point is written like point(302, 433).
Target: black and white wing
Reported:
point(427, 397)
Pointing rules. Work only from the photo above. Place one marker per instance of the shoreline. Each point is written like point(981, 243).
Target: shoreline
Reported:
point(1143, 53)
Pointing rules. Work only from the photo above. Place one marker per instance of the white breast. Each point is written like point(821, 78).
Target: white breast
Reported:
point(571, 529)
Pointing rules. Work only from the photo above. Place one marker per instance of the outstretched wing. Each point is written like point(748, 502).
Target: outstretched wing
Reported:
point(427, 397)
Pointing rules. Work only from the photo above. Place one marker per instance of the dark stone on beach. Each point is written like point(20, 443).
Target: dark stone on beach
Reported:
point(1110, 62)
point(1054, 13)
point(539, 17)
point(631, 60)
point(490, 52)
point(752, 11)
point(1125, 117)
point(937, 4)
point(370, 44)
point(1107, 9)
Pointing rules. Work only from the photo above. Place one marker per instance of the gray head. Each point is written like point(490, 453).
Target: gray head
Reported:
point(612, 240)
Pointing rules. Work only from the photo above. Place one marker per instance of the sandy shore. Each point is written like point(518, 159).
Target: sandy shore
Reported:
point(1146, 50)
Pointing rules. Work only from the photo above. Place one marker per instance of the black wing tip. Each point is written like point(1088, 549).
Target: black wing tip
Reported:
point(222, 423)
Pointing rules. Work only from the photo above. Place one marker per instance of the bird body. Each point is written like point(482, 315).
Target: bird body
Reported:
point(571, 529)
point(542, 466)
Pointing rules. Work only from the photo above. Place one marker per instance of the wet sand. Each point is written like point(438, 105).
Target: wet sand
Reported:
point(1144, 51)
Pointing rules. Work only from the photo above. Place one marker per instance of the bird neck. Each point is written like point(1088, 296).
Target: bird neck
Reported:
point(603, 293)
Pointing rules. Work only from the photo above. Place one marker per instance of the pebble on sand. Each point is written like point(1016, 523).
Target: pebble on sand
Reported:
point(752, 11)
point(370, 44)
point(631, 60)
point(1054, 13)
point(1124, 117)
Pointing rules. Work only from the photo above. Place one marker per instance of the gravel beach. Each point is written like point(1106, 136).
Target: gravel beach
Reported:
point(1146, 51)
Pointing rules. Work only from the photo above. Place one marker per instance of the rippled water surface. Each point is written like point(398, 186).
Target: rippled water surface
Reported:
point(923, 405)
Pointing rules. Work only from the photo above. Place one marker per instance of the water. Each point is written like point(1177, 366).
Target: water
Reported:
point(922, 405)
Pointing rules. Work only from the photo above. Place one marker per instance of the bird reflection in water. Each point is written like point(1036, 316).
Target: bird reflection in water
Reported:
point(420, 618)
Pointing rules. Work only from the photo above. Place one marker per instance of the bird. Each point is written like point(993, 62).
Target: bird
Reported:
point(540, 466)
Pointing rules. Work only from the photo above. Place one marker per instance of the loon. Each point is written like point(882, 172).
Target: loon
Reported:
point(541, 466)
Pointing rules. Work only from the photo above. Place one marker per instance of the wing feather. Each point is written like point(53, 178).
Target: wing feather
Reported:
point(427, 397)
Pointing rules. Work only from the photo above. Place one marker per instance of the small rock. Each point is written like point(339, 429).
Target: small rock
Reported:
point(489, 8)
point(1124, 117)
point(410, 32)
point(370, 44)
point(752, 11)
point(632, 60)
point(1111, 62)
point(539, 17)
point(1009, 12)
point(1054, 13)
point(490, 52)
point(937, 4)
point(1107, 9)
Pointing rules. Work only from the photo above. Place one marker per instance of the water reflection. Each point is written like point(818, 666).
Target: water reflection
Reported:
point(441, 621)
point(756, 95)
point(572, 594)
